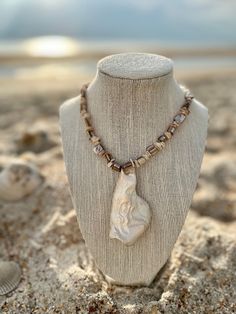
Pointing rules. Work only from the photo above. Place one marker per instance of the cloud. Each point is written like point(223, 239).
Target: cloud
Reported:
point(143, 5)
point(211, 9)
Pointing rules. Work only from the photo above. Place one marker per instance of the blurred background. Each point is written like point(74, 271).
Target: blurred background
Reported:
point(48, 48)
point(63, 39)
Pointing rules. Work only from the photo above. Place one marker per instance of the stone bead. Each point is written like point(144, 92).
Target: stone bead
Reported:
point(152, 149)
point(179, 118)
point(98, 150)
point(116, 167)
point(168, 135)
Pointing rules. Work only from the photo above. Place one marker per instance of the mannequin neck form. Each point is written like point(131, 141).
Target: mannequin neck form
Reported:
point(135, 79)
point(130, 98)
point(165, 86)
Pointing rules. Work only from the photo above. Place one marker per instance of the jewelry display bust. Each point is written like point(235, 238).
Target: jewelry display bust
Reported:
point(132, 99)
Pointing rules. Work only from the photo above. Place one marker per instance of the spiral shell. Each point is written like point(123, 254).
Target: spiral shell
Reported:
point(10, 275)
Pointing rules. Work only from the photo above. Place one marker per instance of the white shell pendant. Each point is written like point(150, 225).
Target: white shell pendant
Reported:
point(130, 214)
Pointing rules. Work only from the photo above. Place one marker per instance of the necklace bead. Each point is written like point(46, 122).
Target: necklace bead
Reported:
point(111, 163)
point(99, 150)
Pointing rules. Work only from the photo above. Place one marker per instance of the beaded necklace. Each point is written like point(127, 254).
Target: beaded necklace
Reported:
point(130, 214)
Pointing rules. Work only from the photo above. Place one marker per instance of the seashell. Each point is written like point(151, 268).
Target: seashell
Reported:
point(10, 275)
point(18, 179)
point(130, 214)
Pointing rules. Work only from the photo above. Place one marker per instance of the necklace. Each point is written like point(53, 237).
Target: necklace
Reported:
point(130, 214)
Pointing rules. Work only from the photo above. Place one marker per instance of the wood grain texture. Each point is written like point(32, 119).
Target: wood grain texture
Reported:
point(129, 114)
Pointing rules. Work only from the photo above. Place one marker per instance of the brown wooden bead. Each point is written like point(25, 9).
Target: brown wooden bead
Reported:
point(85, 115)
point(116, 167)
point(159, 145)
point(110, 163)
point(168, 135)
point(162, 138)
point(83, 104)
point(83, 112)
point(128, 165)
point(147, 155)
point(95, 140)
point(87, 122)
point(90, 134)
point(136, 164)
point(171, 129)
point(83, 90)
point(152, 149)
point(175, 124)
point(141, 160)
point(187, 105)
point(185, 110)
point(89, 128)
point(108, 156)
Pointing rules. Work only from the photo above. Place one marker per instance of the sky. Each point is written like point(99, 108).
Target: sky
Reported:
point(174, 21)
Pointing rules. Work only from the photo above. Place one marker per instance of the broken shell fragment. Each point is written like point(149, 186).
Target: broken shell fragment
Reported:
point(130, 214)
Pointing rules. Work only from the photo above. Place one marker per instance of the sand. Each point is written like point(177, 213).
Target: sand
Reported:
point(41, 233)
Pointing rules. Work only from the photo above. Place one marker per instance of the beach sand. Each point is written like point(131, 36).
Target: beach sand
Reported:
point(41, 233)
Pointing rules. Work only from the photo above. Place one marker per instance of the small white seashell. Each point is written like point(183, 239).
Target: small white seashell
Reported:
point(130, 214)
point(18, 179)
point(10, 275)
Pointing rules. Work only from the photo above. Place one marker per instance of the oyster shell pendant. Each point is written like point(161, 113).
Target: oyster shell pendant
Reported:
point(130, 214)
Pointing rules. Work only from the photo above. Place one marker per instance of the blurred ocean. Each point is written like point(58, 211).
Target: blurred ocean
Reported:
point(65, 37)
point(44, 57)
